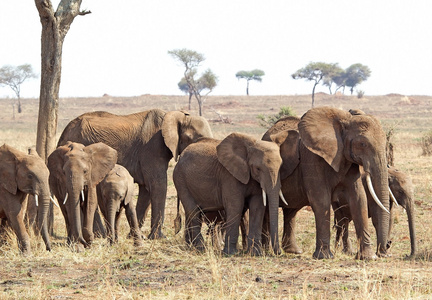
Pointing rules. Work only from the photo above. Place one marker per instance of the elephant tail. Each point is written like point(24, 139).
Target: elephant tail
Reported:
point(177, 220)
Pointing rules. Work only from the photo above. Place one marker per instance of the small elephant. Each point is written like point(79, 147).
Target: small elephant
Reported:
point(229, 175)
point(75, 170)
point(400, 185)
point(23, 174)
point(115, 192)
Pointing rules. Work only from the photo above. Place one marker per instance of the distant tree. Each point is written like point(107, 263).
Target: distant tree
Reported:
point(268, 121)
point(314, 71)
point(208, 80)
point(250, 75)
point(185, 88)
point(332, 77)
point(356, 74)
point(13, 77)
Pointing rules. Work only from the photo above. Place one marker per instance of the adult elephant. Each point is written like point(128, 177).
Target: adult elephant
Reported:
point(229, 175)
point(21, 175)
point(328, 146)
point(145, 143)
point(400, 184)
point(75, 170)
point(115, 192)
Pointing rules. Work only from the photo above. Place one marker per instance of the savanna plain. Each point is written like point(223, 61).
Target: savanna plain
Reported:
point(169, 269)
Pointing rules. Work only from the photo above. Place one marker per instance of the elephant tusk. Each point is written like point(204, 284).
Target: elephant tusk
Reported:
point(82, 195)
point(372, 191)
point(393, 198)
point(264, 196)
point(55, 203)
point(36, 199)
point(64, 202)
point(282, 198)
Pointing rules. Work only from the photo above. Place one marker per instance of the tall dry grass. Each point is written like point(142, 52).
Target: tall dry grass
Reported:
point(169, 269)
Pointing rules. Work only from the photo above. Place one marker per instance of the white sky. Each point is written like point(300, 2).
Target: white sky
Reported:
point(121, 47)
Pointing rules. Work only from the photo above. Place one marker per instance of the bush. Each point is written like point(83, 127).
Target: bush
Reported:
point(269, 120)
point(360, 94)
point(426, 143)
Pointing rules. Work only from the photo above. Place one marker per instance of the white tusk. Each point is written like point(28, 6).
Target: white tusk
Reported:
point(82, 195)
point(282, 198)
point(55, 203)
point(393, 198)
point(64, 202)
point(264, 196)
point(36, 199)
point(372, 191)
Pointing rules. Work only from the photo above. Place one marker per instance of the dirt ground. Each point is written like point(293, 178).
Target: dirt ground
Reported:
point(168, 269)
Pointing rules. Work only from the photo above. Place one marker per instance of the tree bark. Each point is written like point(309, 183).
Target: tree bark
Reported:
point(55, 26)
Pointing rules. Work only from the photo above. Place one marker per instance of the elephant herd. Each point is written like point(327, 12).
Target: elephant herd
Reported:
point(328, 158)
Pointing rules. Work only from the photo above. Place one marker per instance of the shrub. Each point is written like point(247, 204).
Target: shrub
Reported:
point(426, 143)
point(269, 120)
point(360, 94)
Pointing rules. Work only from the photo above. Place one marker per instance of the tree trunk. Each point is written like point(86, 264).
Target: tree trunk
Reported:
point(247, 88)
point(54, 29)
point(313, 94)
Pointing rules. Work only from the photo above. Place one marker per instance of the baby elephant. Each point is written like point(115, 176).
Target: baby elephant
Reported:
point(115, 192)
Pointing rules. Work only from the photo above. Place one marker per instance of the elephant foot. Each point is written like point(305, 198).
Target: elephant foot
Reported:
point(230, 251)
point(322, 254)
point(348, 250)
point(156, 235)
point(138, 243)
point(365, 256)
point(292, 249)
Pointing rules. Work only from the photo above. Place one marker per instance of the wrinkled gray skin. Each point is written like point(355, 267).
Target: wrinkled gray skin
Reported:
point(401, 185)
point(115, 192)
point(75, 168)
point(145, 142)
point(325, 147)
point(21, 175)
point(229, 175)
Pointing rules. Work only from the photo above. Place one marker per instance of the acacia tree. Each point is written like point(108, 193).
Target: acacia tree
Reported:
point(191, 59)
point(13, 77)
point(356, 74)
point(250, 75)
point(314, 71)
point(55, 26)
point(333, 77)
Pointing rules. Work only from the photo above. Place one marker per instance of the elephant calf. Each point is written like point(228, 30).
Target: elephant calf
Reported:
point(114, 193)
point(400, 185)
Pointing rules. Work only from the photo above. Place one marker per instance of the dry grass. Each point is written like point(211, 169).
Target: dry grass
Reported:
point(169, 269)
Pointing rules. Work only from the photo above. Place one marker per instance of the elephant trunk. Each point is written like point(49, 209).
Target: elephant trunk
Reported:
point(73, 206)
point(273, 203)
point(381, 217)
point(411, 224)
point(42, 218)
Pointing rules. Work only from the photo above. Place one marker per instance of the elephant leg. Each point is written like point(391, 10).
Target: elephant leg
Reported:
point(244, 229)
point(289, 244)
point(143, 204)
point(109, 213)
point(256, 211)
point(89, 213)
point(98, 228)
point(116, 225)
point(132, 219)
point(158, 198)
point(265, 234)
point(16, 219)
point(232, 224)
point(193, 225)
point(357, 201)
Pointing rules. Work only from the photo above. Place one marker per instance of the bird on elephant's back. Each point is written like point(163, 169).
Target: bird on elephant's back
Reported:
point(145, 142)
point(325, 147)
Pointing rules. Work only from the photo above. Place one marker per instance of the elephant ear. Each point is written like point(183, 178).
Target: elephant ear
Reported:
point(321, 132)
point(103, 159)
point(56, 161)
point(232, 154)
point(8, 166)
point(288, 142)
point(171, 130)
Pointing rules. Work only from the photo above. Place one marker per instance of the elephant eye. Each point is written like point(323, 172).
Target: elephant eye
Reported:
point(30, 176)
